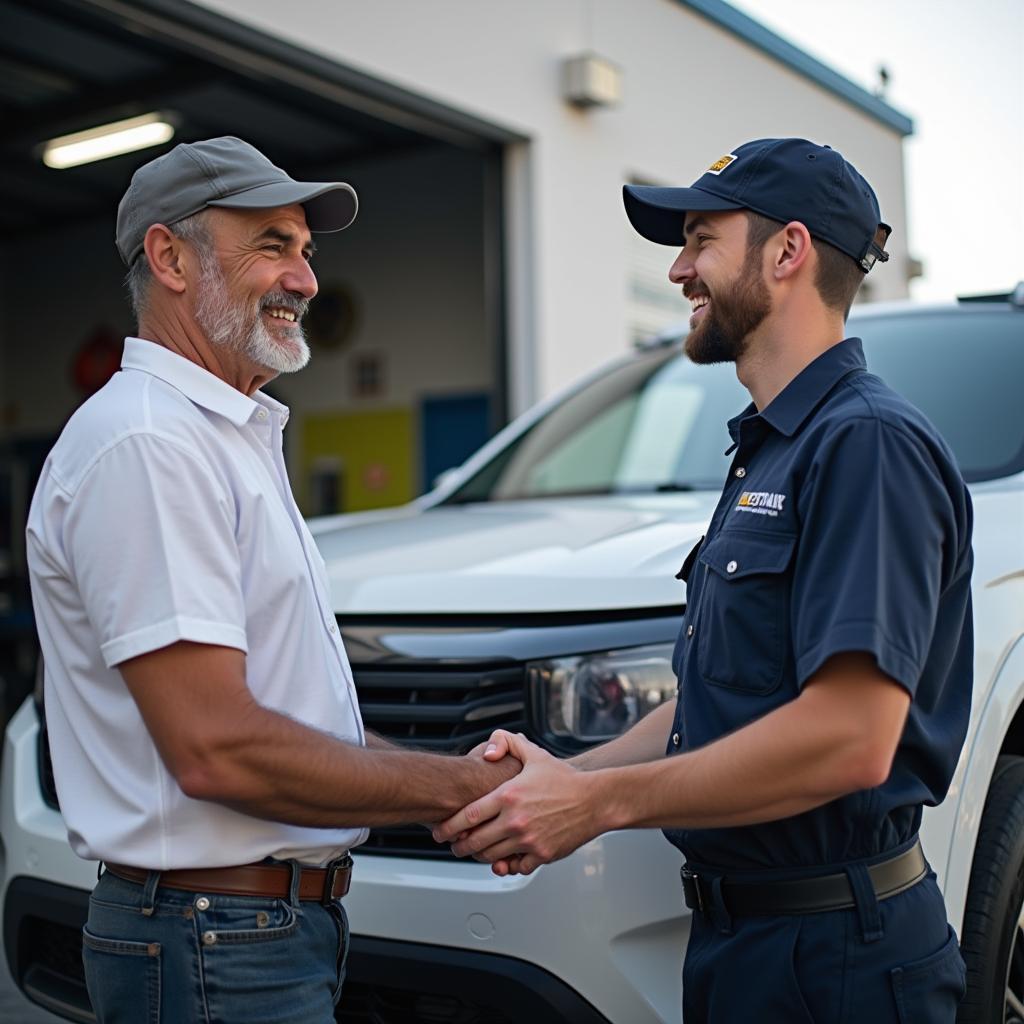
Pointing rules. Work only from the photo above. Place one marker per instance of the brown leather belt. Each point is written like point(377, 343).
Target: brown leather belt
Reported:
point(269, 880)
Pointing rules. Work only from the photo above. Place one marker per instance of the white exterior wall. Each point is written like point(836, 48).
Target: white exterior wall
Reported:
point(693, 91)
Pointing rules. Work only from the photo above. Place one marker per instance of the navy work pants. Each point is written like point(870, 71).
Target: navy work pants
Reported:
point(891, 962)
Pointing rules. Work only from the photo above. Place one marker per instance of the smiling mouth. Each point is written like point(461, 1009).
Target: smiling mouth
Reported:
point(698, 304)
point(280, 313)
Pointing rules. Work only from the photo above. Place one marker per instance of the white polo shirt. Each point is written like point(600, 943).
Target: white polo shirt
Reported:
point(164, 513)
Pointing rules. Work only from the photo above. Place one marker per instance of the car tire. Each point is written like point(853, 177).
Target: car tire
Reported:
point(992, 939)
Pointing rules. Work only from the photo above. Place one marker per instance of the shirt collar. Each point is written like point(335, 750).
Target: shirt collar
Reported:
point(198, 385)
point(801, 396)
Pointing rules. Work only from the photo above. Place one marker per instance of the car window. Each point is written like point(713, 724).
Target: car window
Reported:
point(658, 422)
point(963, 370)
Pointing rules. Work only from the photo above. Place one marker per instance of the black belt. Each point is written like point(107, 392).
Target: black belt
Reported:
point(802, 895)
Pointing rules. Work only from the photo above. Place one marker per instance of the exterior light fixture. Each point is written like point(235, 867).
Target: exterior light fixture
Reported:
point(591, 81)
point(108, 140)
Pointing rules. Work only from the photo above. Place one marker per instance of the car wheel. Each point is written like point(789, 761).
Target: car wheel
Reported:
point(992, 940)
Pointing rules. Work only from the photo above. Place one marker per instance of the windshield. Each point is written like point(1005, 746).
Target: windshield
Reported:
point(658, 422)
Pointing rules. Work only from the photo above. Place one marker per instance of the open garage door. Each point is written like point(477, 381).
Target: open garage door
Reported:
point(409, 328)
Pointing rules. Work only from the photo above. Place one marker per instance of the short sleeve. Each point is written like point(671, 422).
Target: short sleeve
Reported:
point(149, 539)
point(877, 523)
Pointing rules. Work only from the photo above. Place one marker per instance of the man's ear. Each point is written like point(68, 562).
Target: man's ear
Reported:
point(163, 249)
point(793, 252)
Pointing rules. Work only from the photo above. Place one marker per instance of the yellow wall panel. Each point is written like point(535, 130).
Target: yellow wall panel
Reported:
point(374, 453)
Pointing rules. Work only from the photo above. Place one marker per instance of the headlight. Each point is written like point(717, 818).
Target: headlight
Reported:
point(596, 697)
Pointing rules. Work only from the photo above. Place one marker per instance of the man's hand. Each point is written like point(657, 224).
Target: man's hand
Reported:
point(494, 748)
point(539, 816)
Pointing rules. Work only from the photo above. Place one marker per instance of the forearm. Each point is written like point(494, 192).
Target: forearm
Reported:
point(783, 764)
point(646, 741)
point(840, 735)
point(374, 741)
point(276, 768)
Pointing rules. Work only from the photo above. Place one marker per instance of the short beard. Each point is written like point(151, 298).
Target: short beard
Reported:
point(735, 312)
point(238, 326)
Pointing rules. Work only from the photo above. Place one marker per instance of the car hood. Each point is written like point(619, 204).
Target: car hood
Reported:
point(553, 555)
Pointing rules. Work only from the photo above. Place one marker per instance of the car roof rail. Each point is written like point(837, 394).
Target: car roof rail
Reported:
point(1015, 298)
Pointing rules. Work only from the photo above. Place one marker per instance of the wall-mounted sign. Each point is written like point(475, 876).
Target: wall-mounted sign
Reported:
point(368, 375)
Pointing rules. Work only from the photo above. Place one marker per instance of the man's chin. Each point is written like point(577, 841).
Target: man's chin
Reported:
point(290, 359)
point(279, 355)
point(707, 345)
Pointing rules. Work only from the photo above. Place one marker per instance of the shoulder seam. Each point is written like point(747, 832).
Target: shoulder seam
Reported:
point(127, 436)
point(852, 382)
point(874, 415)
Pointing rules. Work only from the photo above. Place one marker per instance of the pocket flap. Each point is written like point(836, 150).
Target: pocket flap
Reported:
point(733, 555)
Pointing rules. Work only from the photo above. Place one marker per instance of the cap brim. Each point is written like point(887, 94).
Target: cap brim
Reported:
point(659, 213)
point(330, 206)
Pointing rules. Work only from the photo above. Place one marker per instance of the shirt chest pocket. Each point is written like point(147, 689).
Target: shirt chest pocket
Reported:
point(743, 624)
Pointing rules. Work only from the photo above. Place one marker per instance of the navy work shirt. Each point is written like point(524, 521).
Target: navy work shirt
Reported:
point(845, 525)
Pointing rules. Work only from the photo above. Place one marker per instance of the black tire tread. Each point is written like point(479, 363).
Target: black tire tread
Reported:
point(994, 895)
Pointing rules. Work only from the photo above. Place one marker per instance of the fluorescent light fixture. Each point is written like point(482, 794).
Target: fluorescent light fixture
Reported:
point(108, 140)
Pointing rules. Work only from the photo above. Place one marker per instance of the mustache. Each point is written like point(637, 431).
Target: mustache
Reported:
point(296, 304)
point(693, 291)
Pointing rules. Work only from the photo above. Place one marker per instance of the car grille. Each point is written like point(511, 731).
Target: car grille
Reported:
point(445, 710)
point(55, 948)
point(434, 708)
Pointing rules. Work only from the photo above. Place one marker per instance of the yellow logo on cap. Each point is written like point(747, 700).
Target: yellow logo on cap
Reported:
point(721, 163)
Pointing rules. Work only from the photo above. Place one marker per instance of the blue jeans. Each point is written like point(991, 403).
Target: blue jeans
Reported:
point(166, 956)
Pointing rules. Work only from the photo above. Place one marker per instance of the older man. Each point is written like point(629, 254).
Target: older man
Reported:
point(206, 739)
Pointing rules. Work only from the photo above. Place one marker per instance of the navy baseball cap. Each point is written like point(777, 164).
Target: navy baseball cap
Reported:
point(784, 179)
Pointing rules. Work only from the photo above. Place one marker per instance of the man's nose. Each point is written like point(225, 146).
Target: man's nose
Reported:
point(300, 279)
point(681, 270)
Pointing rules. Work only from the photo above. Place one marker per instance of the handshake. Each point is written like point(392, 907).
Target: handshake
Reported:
point(542, 814)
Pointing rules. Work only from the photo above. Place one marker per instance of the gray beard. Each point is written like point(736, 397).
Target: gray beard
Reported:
point(238, 327)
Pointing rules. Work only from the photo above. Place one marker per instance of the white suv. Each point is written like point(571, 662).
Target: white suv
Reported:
point(535, 590)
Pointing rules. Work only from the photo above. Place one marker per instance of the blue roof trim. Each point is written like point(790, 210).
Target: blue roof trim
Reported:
point(754, 33)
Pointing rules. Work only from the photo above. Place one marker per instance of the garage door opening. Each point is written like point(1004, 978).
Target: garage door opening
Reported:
point(408, 333)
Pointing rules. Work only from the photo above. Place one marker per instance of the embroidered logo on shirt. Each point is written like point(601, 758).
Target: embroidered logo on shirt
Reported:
point(721, 163)
point(762, 503)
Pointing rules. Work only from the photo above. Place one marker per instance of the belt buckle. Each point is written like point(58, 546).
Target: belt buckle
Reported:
point(691, 889)
point(331, 875)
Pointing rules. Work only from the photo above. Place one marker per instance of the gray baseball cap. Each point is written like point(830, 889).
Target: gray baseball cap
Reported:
point(222, 172)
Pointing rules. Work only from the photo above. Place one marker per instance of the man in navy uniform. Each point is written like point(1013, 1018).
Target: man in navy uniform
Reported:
point(825, 656)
